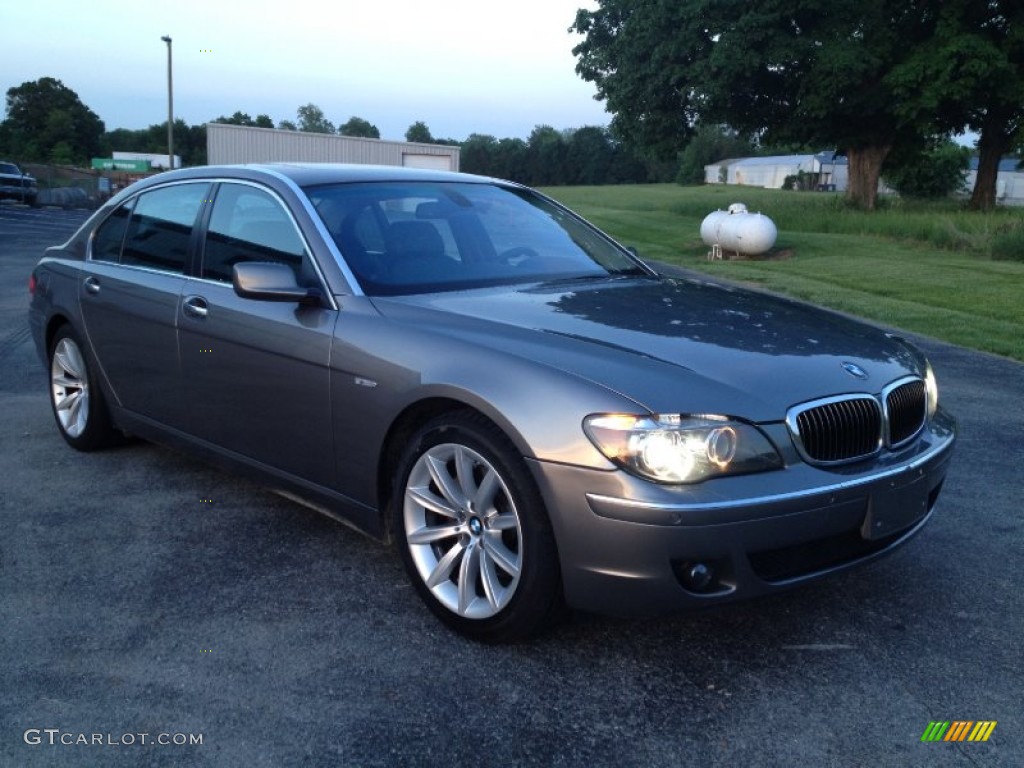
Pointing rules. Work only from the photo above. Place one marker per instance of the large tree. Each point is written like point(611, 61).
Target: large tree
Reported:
point(589, 153)
point(47, 121)
point(239, 118)
point(189, 141)
point(545, 156)
point(419, 132)
point(807, 71)
point(243, 118)
point(312, 119)
point(357, 126)
point(970, 75)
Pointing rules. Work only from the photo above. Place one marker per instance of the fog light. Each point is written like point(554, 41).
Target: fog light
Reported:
point(698, 576)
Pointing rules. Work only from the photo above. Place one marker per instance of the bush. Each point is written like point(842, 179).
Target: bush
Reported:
point(710, 144)
point(1008, 244)
point(799, 182)
point(931, 174)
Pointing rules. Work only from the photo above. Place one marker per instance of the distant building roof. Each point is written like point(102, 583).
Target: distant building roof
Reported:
point(1006, 165)
point(830, 158)
point(825, 158)
point(775, 160)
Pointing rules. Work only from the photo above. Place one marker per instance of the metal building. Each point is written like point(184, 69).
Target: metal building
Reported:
point(1009, 181)
point(231, 144)
point(829, 171)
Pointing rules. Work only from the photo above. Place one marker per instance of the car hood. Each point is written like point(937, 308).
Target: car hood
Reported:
point(673, 345)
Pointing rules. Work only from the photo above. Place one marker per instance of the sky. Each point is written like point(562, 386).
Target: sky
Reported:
point(498, 67)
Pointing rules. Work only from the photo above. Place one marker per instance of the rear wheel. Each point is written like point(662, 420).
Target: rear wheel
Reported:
point(473, 532)
point(77, 402)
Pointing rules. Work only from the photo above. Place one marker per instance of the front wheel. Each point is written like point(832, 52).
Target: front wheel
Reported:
point(473, 533)
point(77, 402)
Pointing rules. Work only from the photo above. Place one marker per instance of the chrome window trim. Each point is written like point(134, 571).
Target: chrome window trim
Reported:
point(794, 431)
point(886, 429)
point(92, 233)
point(212, 180)
point(295, 225)
point(133, 198)
point(945, 442)
point(332, 247)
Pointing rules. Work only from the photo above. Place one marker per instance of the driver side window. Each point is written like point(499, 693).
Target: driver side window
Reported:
point(250, 224)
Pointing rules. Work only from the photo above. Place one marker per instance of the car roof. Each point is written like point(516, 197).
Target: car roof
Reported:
point(309, 174)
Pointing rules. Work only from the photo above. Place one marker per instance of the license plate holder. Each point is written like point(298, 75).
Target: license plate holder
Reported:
point(901, 503)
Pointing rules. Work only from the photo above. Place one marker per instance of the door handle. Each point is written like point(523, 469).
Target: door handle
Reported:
point(195, 306)
point(92, 285)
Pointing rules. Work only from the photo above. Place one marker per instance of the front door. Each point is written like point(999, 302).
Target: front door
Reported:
point(255, 373)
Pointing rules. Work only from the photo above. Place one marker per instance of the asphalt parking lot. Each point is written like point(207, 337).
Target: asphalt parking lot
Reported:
point(143, 593)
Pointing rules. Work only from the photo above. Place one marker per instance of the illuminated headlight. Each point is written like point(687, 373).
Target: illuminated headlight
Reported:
point(931, 388)
point(671, 448)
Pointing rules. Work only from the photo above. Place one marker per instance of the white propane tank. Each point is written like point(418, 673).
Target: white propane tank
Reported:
point(739, 231)
point(709, 227)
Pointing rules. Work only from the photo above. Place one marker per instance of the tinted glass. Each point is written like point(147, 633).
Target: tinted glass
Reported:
point(161, 225)
point(249, 224)
point(106, 243)
point(412, 237)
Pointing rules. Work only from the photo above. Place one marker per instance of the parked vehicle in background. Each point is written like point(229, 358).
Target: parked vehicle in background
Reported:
point(465, 367)
point(16, 185)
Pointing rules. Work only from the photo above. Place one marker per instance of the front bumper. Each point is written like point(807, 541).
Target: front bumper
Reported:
point(630, 547)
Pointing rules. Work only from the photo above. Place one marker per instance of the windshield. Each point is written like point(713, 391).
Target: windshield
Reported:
point(419, 237)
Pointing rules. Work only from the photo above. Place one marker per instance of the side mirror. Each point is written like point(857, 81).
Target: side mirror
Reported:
point(269, 281)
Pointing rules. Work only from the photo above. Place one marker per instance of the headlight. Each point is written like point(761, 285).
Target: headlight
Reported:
point(671, 448)
point(931, 388)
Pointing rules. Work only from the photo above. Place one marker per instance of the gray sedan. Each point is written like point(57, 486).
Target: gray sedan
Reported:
point(534, 416)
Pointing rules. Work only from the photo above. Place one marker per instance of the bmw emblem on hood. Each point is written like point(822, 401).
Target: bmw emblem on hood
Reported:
point(855, 370)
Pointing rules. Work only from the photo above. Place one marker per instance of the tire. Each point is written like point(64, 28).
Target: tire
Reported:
point(78, 406)
point(473, 533)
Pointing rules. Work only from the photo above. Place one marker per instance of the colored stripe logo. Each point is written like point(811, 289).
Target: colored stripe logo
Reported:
point(959, 730)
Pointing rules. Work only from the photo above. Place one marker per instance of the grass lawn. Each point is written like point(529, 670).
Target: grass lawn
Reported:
point(934, 269)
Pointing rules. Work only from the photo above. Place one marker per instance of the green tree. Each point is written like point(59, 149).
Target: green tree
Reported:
point(545, 156)
point(710, 144)
point(239, 118)
point(970, 75)
point(929, 174)
point(312, 119)
point(243, 118)
point(189, 141)
point(809, 71)
point(357, 126)
point(287, 125)
point(509, 160)
point(478, 154)
point(419, 132)
point(45, 119)
point(589, 153)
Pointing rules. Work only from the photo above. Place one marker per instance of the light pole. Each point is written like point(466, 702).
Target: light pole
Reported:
point(170, 107)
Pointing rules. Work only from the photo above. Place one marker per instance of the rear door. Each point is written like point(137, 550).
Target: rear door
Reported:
point(255, 373)
point(129, 296)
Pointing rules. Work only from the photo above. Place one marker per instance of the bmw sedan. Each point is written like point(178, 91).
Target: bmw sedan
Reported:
point(535, 417)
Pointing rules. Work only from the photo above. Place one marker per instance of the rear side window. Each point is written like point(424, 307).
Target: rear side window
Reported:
point(160, 227)
point(249, 224)
point(106, 243)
